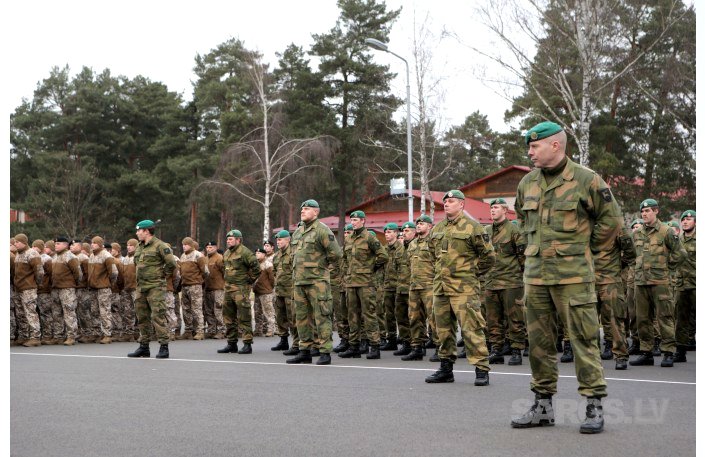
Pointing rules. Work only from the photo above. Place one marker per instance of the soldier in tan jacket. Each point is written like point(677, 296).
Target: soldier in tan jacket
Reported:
point(66, 274)
point(102, 272)
point(194, 271)
point(28, 274)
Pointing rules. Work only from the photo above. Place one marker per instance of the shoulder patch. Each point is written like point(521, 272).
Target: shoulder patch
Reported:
point(331, 237)
point(606, 194)
point(486, 237)
point(167, 251)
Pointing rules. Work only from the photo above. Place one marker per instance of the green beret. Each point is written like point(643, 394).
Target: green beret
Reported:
point(311, 203)
point(515, 222)
point(688, 213)
point(498, 201)
point(541, 131)
point(455, 193)
point(358, 213)
point(391, 226)
point(408, 225)
point(674, 224)
point(234, 233)
point(348, 227)
point(636, 221)
point(424, 218)
point(648, 203)
point(283, 234)
point(145, 224)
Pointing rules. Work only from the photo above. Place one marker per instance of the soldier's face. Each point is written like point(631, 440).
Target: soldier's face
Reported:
point(390, 236)
point(61, 246)
point(347, 233)
point(141, 234)
point(282, 243)
point(210, 249)
point(636, 227)
point(187, 248)
point(688, 223)
point(260, 255)
point(268, 248)
point(498, 213)
point(20, 245)
point(308, 214)
point(357, 222)
point(231, 241)
point(422, 228)
point(131, 249)
point(409, 234)
point(96, 246)
point(545, 153)
point(48, 251)
point(453, 206)
point(649, 215)
point(76, 248)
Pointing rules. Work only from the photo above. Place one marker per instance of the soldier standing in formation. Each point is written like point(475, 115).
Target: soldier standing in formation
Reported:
point(128, 292)
point(29, 273)
point(283, 290)
point(213, 300)
point(66, 274)
point(341, 310)
point(685, 298)
point(102, 273)
point(389, 291)
point(86, 309)
point(402, 265)
point(194, 272)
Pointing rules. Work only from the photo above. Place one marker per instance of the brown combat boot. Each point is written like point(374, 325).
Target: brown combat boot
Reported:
point(187, 335)
point(198, 336)
point(69, 341)
point(46, 341)
point(20, 341)
point(106, 340)
point(32, 342)
point(84, 339)
point(219, 336)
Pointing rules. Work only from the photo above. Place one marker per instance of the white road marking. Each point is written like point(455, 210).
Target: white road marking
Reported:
point(313, 365)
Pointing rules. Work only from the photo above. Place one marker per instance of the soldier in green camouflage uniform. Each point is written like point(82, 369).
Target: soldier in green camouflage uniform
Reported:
point(631, 306)
point(364, 255)
point(155, 262)
point(504, 286)
point(340, 307)
point(461, 251)
point(284, 290)
point(403, 307)
point(387, 304)
point(241, 271)
point(566, 212)
point(685, 301)
point(658, 252)
point(316, 252)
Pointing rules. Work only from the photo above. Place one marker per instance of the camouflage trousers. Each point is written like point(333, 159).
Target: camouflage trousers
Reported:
point(15, 305)
point(401, 312)
point(388, 326)
point(171, 322)
point(577, 304)
point(66, 300)
point(340, 310)
point(87, 313)
point(127, 301)
point(150, 308)
point(116, 312)
point(192, 308)
point(237, 313)
point(685, 316)
point(631, 312)
point(178, 323)
point(421, 317)
point(265, 320)
point(104, 299)
point(286, 318)
point(655, 301)
point(213, 311)
point(451, 310)
point(45, 305)
point(611, 305)
point(314, 309)
point(506, 305)
point(362, 317)
point(30, 317)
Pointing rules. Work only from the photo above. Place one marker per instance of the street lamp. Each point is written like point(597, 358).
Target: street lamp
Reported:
point(376, 44)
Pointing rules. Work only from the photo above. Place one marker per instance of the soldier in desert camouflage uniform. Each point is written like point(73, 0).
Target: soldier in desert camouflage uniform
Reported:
point(102, 274)
point(128, 294)
point(44, 302)
point(86, 310)
point(66, 274)
point(29, 272)
point(215, 293)
point(194, 272)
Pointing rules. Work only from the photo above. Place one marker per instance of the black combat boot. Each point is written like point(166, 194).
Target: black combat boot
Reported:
point(567, 356)
point(324, 359)
point(516, 357)
point(620, 364)
point(374, 353)
point(634, 348)
point(315, 352)
point(460, 342)
point(404, 350)
point(246, 349)
point(353, 351)
point(444, 373)
point(496, 355)
point(607, 353)
point(680, 354)
point(691, 344)
point(482, 377)
point(304, 356)
point(540, 414)
point(594, 423)
point(434, 357)
point(163, 351)
point(429, 343)
point(667, 360)
point(391, 344)
point(415, 354)
point(506, 348)
point(342, 346)
point(283, 344)
point(292, 351)
point(657, 347)
point(644, 359)
point(364, 346)
point(230, 347)
point(142, 351)
point(559, 344)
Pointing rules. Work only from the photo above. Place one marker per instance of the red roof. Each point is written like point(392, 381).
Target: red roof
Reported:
point(495, 174)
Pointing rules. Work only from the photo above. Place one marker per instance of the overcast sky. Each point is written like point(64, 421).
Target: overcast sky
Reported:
point(159, 40)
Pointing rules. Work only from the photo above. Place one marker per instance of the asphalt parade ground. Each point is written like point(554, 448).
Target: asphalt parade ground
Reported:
point(91, 400)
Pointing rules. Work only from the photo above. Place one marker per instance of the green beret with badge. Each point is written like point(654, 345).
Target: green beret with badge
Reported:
point(498, 201)
point(409, 224)
point(391, 226)
point(359, 214)
point(145, 224)
point(310, 203)
point(455, 193)
point(674, 224)
point(348, 227)
point(541, 131)
point(636, 221)
point(283, 234)
point(648, 203)
point(688, 213)
point(234, 233)
point(424, 218)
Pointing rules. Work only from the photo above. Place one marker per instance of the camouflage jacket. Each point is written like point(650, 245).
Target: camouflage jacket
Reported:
point(364, 255)
point(461, 251)
point(155, 262)
point(391, 274)
point(240, 267)
point(402, 267)
point(687, 269)
point(421, 264)
point(658, 253)
point(564, 223)
point(315, 250)
point(610, 262)
point(66, 271)
point(283, 273)
point(509, 245)
point(29, 271)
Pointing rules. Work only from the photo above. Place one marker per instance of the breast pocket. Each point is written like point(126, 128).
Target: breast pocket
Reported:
point(565, 216)
point(531, 218)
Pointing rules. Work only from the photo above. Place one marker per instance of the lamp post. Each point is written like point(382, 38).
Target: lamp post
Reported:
point(376, 44)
